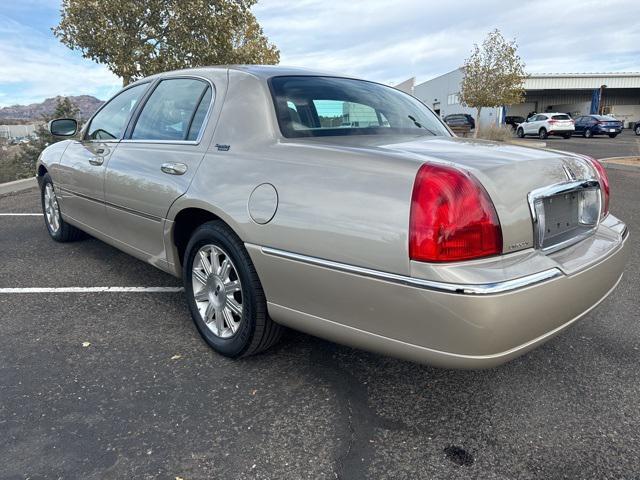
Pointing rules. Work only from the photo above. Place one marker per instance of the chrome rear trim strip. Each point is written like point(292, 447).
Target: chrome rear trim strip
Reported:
point(464, 289)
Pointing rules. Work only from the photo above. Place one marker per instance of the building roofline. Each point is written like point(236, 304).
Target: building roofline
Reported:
point(584, 74)
point(555, 75)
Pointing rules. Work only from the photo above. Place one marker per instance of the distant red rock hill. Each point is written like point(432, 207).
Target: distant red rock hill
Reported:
point(35, 112)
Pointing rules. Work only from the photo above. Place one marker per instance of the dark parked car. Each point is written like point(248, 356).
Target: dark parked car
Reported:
point(513, 121)
point(460, 120)
point(591, 125)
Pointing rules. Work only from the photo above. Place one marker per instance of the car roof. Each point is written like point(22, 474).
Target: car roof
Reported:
point(260, 71)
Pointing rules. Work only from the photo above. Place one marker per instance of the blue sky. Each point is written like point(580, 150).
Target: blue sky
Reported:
point(375, 39)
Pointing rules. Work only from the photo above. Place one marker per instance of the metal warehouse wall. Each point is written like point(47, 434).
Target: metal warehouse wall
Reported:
point(436, 93)
point(624, 104)
point(582, 81)
point(562, 92)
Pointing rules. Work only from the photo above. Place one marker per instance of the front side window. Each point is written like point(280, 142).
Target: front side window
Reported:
point(310, 106)
point(110, 122)
point(175, 111)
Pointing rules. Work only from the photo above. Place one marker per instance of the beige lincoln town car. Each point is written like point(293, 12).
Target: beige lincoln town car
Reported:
point(340, 207)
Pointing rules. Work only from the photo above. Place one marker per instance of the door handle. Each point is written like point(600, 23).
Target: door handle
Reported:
point(174, 168)
point(96, 161)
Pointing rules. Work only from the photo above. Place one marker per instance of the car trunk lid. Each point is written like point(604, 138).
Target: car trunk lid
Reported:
point(508, 172)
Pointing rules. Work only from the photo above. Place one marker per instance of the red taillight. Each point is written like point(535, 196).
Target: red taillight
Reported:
point(552, 121)
point(604, 185)
point(452, 217)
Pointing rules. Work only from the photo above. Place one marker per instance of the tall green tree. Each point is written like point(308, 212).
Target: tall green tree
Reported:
point(493, 75)
point(137, 38)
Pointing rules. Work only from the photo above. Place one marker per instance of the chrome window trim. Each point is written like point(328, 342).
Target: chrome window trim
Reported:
point(559, 189)
point(205, 122)
point(464, 289)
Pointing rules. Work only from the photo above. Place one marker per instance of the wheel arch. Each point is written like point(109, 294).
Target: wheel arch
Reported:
point(186, 220)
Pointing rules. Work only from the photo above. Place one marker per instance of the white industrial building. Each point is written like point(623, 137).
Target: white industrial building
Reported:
point(616, 94)
point(17, 132)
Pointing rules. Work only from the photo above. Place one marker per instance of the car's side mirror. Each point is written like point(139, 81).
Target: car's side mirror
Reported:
point(63, 127)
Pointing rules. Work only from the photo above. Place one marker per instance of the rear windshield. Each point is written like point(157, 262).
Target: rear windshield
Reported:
point(310, 106)
point(561, 117)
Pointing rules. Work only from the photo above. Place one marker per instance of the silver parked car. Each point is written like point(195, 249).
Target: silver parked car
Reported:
point(339, 207)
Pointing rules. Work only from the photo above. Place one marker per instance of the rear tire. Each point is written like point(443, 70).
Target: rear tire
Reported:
point(638, 130)
point(543, 134)
point(229, 306)
point(58, 229)
point(588, 133)
point(613, 135)
point(566, 136)
point(520, 133)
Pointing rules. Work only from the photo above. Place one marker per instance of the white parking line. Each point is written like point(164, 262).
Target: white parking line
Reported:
point(20, 214)
point(92, 290)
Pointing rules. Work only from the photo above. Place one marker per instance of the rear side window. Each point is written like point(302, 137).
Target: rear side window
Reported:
point(110, 122)
point(200, 115)
point(175, 111)
point(561, 117)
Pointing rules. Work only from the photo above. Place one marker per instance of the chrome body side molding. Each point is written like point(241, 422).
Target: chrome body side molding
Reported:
point(464, 289)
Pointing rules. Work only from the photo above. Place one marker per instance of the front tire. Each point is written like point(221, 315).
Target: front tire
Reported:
point(58, 229)
point(588, 133)
point(224, 293)
point(543, 134)
point(520, 133)
point(638, 130)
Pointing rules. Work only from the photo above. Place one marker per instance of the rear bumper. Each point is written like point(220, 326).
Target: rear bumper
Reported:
point(607, 130)
point(561, 130)
point(470, 328)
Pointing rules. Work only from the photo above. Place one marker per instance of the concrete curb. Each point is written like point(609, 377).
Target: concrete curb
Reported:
point(17, 186)
point(611, 162)
point(618, 166)
point(528, 143)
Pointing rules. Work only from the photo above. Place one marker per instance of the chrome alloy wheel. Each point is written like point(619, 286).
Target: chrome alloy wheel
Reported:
point(217, 290)
point(51, 209)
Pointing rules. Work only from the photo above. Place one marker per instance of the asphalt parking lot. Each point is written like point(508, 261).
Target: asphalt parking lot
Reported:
point(112, 385)
point(600, 146)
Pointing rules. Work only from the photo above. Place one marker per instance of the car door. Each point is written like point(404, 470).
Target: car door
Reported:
point(529, 125)
point(82, 167)
point(155, 164)
point(579, 124)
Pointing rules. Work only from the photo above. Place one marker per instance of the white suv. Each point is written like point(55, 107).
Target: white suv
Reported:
point(545, 124)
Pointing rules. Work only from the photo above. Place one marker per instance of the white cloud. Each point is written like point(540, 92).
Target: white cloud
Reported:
point(391, 41)
point(376, 39)
point(36, 66)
